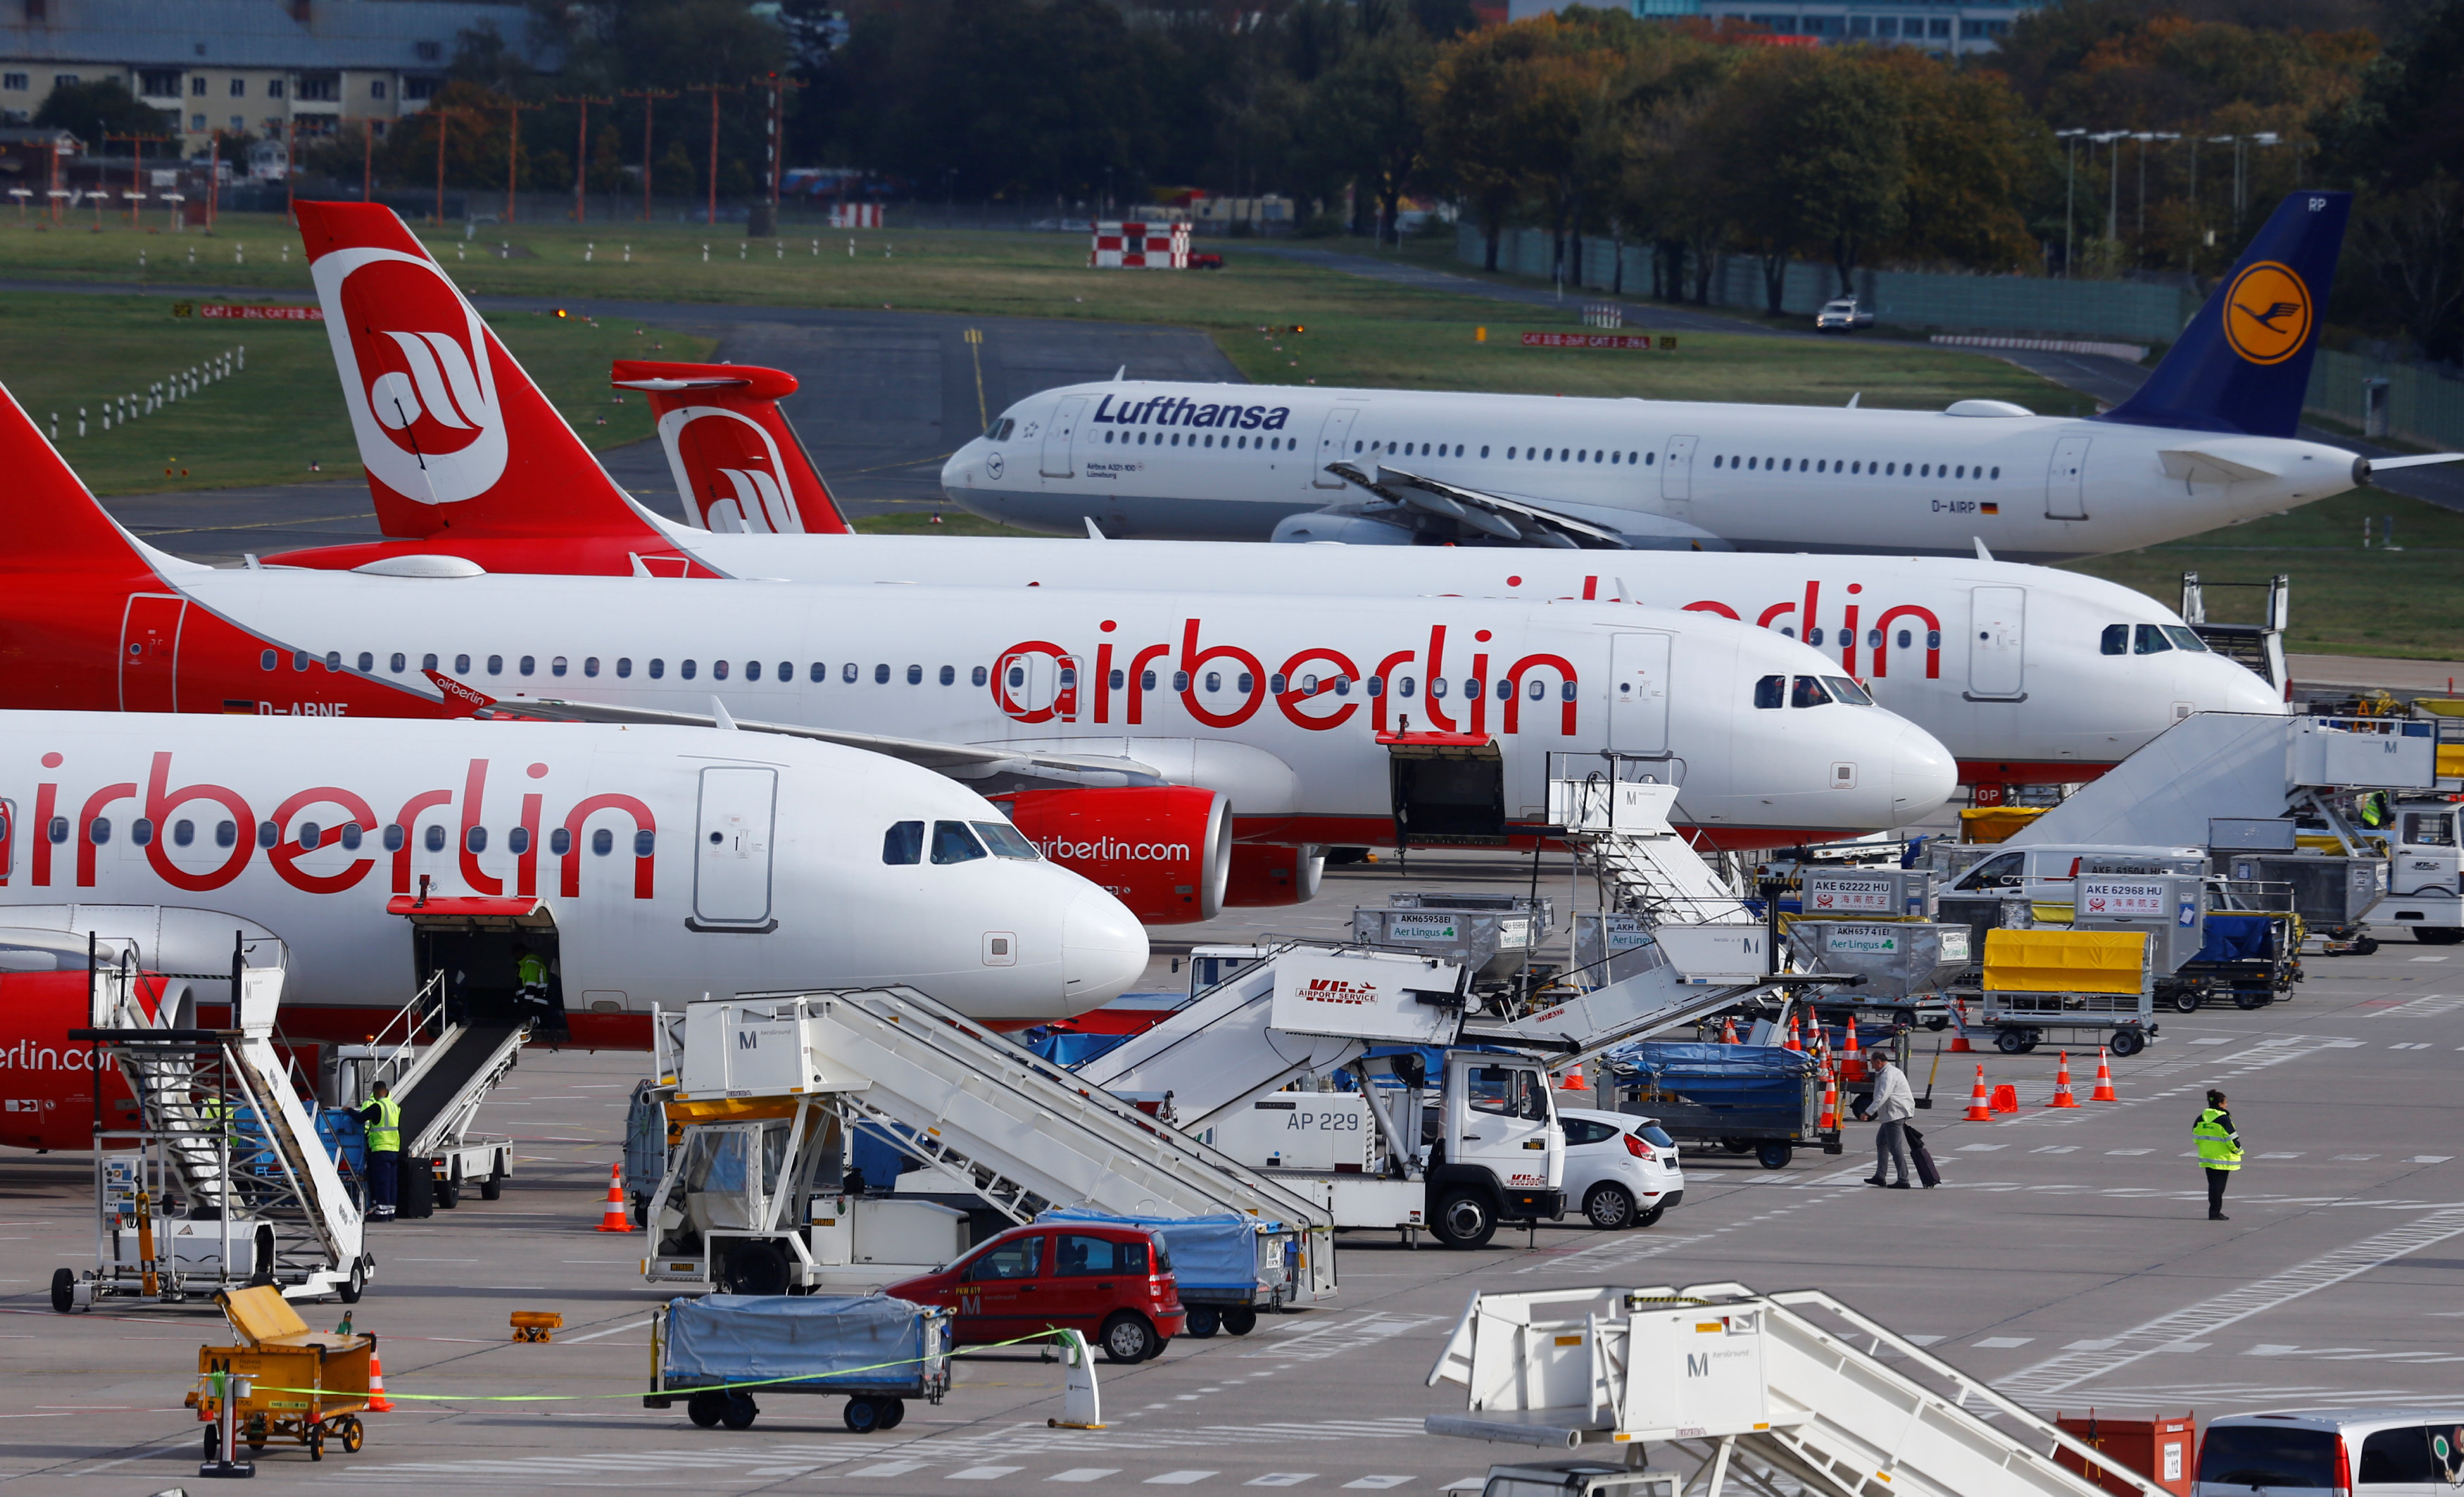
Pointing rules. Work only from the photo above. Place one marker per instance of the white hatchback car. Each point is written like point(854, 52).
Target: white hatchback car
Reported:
point(1621, 1170)
point(2414, 1452)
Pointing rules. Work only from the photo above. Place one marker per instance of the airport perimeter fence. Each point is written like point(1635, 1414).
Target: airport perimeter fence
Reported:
point(2422, 404)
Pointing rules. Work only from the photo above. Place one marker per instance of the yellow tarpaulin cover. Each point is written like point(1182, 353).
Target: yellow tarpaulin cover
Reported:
point(2451, 761)
point(1996, 823)
point(2065, 961)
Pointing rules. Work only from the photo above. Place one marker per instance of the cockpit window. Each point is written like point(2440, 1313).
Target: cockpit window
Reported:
point(1000, 430)
point(1006, 841)
point(1772, 691)
point(1847, 691)
point(2151, 641)
point(2116, 640)
point(903, 843)
point(952, 843)
point(2186, 637)
point(1809, 692)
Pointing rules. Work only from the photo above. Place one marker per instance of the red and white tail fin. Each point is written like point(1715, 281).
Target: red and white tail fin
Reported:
point(738, 462)
point(453, 432)
point(54, 523)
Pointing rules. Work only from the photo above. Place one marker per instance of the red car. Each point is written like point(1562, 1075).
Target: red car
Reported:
point(1112, 1285)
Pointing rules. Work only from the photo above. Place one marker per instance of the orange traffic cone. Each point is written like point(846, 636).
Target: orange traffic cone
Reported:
point(2062, 1097)
point(1978, 1109)
point(378, 1402)
point(1573, 1081)
point(1830, 1100)
point(2103, 1092)
point(1959, 1045)
point(1795, 1033)
point(612, 1219)
point(1852, 1062)
point(1728, 1030)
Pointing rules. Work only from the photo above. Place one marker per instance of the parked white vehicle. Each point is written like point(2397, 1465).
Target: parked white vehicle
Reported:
point(1621, 1170)
point(2377, 1452)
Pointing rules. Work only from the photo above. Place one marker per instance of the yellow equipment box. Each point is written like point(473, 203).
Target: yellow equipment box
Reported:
point(305, 1385)
point(2065, 961)
point(1996, 823)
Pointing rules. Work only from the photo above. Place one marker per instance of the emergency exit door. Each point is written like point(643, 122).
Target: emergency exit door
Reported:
point(1997, 630)
point(2066, 480)
point(1331, 438)
point(1677, 478)
point(1059, 436)
point(1638, 693)
point(732, 847)
point(149, 653)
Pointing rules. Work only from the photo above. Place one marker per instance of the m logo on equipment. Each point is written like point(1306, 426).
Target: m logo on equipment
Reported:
point(2267, 313)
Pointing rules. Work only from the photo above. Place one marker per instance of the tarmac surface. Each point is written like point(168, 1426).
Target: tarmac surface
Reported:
point(2067, 1260)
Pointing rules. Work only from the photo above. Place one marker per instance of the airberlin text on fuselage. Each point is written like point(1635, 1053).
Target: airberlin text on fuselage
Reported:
point(1179, 410)
point(315, 817)
point(1311, 679)
point(31, 1055)
point(1907, 627)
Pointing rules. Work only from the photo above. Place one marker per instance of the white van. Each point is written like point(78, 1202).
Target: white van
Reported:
point(2334, 1453)
point(2047, 874)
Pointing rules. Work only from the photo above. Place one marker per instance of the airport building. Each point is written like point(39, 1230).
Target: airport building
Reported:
point(1950, 27)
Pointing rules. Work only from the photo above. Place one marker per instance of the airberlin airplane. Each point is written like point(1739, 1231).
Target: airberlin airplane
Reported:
point(1342, 722)
point(2208, 441)
point(652, 865)
point(2027, 675)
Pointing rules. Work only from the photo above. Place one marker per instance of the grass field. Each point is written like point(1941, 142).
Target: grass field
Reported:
point(283, 412)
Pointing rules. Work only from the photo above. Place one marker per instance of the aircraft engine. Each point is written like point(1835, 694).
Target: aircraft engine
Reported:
point(1265, 875)
point(1164, 850)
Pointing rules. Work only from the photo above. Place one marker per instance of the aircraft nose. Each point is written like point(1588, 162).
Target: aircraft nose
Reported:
point(1924, 774)
point(954, 472)
point(2226, 686)
point(1103, 949)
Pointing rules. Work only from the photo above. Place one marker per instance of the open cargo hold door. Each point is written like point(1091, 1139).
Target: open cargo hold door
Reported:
point(470, 941)
point(1449, 788)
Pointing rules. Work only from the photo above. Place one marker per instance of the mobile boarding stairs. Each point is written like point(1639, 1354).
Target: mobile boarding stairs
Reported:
point(1753, 1392)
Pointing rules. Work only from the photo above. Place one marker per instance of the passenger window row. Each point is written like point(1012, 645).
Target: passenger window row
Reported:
point(1240, 443)
point(2149, 639)
point(350, 835)
point(954, 842)
point(1830, 465)
point(655, 668)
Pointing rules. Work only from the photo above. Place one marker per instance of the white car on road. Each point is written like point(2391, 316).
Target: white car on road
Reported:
point(1620, 1169)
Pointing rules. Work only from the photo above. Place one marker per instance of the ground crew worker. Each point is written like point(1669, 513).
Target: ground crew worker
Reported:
point(530, 981)
point(2219, 1148)
point(383, 1119)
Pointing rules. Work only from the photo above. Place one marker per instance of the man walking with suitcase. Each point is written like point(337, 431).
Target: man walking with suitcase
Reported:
point(1894, 1104)
point(2219, 1146)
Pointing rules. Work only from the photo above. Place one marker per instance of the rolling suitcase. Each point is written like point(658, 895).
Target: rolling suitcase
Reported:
point(1926, 1175)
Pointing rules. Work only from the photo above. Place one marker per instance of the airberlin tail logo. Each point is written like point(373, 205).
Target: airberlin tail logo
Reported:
point(732, 468)
point(416, 372)
point(2267, 313)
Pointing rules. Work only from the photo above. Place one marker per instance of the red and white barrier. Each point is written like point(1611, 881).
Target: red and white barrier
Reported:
point(1150, 247)
point(855, 215)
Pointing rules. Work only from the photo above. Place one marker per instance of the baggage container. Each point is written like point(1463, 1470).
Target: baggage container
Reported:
point(1609, 948)
point(1754, 1099)
point(1492, 944)
point(2171, 907)
point(1869, 894)
point(2099, 982)
point(874, 1350)
point(1902, 962)
point(2330, 893)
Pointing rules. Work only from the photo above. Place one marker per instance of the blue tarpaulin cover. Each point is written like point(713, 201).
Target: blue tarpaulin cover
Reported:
point(752, 1337)
point(1217, 1252)
point(1067, 1047)
point(1686, 1059)
point(2236, 938)
point(1741, 1090)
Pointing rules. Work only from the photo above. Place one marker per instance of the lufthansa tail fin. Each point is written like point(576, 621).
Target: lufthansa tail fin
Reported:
point(737, 463)
point(53, 521)
point(2243, 365)
point(455, 435)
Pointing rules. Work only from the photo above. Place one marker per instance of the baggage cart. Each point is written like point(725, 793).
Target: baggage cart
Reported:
point(280, 1381)
point(2251, 955)
point(2332, 895)
point(715, 1353)
point(1228, 1267)
point(2043, 982)
point(1756, 1099)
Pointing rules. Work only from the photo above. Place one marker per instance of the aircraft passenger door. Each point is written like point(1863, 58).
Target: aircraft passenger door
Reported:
point(1638, 693)
point(1998, 627)
point(149, 652)
point(2066, 480)
point(1330, 440)
point(732, 847)
point(1677, 478)
point(1059, 437)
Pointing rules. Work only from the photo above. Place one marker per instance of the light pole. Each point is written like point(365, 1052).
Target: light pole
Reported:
point(2070, 190)
point(2142, 138)
point(2113, 182)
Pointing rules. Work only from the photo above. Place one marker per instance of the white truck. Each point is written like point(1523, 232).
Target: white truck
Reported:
point(2425, 878)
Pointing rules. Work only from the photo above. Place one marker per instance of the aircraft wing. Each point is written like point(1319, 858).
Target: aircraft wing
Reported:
point(1507, 519)
point(971, 762)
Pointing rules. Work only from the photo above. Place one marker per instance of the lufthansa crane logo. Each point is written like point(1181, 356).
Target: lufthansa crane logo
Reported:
point(2267, 313)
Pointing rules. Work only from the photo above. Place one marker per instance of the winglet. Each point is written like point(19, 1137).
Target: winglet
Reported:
point(457, 692)
point(2243, 364)
point(1093, 533)
point(718, 716)
point(1854, 399)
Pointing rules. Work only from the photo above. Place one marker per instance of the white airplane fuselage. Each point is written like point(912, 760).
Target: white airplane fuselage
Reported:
point(1233, 462)
point(670, 861)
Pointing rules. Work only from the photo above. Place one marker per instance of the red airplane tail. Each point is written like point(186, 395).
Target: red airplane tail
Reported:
point(455, 438)
point(55, 523)
point(738, 464)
